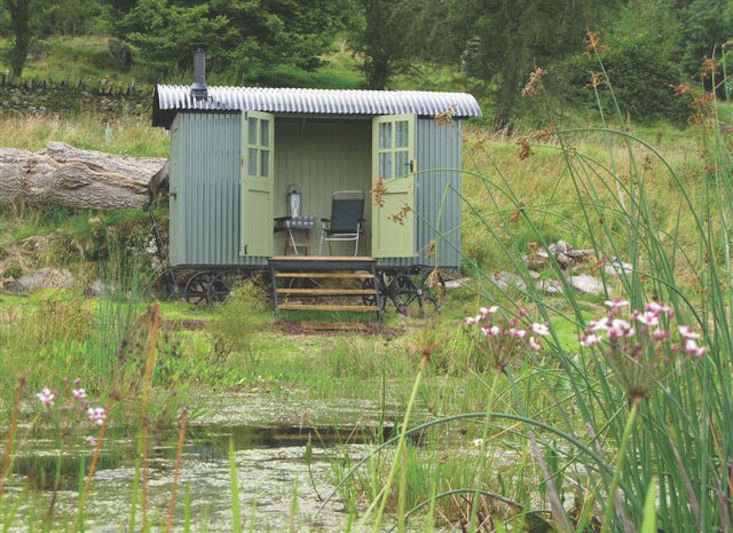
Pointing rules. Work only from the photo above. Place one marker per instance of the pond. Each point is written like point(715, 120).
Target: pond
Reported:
point(276, 482)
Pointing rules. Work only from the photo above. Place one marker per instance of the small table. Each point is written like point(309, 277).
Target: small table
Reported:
point(292, 225)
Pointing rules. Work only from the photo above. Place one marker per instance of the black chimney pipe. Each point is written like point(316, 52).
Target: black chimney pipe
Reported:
point(199, 90)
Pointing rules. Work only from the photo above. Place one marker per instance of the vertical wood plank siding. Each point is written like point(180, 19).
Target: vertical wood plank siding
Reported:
point(316, 155)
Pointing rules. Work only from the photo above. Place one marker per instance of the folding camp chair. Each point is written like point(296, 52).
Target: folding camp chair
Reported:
point(347, 208)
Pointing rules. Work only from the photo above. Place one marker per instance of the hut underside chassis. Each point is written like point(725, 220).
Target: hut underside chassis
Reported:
point(399, 287)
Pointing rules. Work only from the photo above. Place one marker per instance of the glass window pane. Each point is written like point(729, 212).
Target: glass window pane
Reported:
point(401, 163)
point(252, 139)
point(401, 134)
point(264, 162)
point(385, 135)
point(252, 162)
point(385, 165)
point(264, 133)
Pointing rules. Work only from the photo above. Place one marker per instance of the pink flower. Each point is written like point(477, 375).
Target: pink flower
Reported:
point(658, 309)
point(648, 318)
point(692, 348)
point(523, 312)
point(77, 382)
point(91, 441)
point(79, 394)
point(46, 397)
point(620, 328)
point(519, 333)
point(590, 340)
point(602, 324)
point(96, 415)
point(486, 311)
point(491, 331)
point(688, 333)
point(472, 320)
point(540, 329)
point(616, 304)
point(534, 344)
point(660, 335)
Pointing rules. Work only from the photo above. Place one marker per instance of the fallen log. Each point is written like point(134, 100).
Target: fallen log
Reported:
point(84, 179)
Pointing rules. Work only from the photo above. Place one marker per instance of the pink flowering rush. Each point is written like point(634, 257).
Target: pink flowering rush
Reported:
point(46, 397)
point(79, 394)
point(639, 356)
point(96, 415)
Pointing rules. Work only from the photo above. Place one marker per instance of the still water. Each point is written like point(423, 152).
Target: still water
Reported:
point(278, 488)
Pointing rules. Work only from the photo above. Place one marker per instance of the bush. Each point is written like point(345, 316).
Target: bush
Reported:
point(238, 319)
point(642, 82)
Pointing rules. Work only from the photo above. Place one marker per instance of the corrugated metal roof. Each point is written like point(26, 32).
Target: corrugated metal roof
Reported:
point(169, 99)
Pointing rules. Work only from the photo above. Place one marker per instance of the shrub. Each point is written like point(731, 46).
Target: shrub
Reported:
point(238, 319)
point(642, 80)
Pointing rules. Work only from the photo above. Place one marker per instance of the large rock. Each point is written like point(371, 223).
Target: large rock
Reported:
point(619, 268)
point(587, 284)
point(46, 278)
point(85, 179)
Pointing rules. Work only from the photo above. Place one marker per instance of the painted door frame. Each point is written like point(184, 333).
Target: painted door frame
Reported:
point(258, 184)
point(393, 201)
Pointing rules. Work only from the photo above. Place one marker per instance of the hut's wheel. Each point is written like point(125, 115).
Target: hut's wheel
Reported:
point(219, 288)
point(402, 291)
point(430, 289)
point(371, 283)
point(197, 288)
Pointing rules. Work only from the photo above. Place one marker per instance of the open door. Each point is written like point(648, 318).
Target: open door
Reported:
point(393, 161)
point(258, 156)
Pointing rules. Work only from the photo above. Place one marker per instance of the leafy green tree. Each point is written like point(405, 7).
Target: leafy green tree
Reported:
point(503, 41)
point(379, 35)
point(243, 37)
point(708, 24)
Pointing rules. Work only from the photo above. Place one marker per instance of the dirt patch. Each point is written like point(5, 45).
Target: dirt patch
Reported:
point(185, 324)
point(337, 328)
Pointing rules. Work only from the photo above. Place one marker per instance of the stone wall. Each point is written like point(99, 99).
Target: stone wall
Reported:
point(33, 96)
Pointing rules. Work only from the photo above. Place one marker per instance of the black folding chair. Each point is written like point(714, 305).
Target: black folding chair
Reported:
point(347, 209)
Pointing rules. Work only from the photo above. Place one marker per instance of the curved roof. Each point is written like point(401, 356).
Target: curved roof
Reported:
point(169, 99)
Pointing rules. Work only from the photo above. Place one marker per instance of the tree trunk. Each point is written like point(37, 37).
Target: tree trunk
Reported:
point(20, 18)
point(82, 179)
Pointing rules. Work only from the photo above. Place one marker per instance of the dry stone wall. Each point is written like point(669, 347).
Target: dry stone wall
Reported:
point(40, 96)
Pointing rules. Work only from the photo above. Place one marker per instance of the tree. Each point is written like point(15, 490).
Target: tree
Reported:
point(20, 16)
point(708, 23)
point(243, 37)
point(502, 41)
point(382, 38)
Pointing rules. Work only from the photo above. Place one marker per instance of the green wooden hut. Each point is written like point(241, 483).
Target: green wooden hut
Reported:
point(236, 151)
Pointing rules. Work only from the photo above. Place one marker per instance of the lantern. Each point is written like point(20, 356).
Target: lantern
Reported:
point(295, 200)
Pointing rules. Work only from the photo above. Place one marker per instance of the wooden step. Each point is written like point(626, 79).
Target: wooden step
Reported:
point(324, 292)
point(334, 258)
point(326, 307)
point(334, 274)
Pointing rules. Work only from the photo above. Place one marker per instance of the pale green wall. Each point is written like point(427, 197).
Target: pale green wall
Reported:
point(320, 156)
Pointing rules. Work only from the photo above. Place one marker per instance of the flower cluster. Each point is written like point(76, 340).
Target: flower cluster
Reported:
point(96, 415)
point(506, 335)
point(635, 343)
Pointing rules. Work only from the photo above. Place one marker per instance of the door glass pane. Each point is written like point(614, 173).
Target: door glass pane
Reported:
point(264, 133)
point(401, 134)
point(264, 161)
point(252, 162)
point(401, 163)
point(385, 165)
point(385, 135)
point(252, 139)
